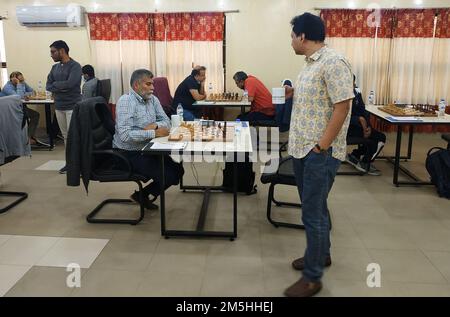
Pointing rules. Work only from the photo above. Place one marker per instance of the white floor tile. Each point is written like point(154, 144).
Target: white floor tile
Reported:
point(51, 165)
point(73, 250)
point(10, 275)
point(25, 250)
point(3, 239)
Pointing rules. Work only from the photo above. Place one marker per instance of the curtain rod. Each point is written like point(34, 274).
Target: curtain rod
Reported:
point(212, 11)
point(392, 8)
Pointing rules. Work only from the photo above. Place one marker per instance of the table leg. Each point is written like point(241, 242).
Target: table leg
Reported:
point(398, 146)
point(162, 198)
point(48, 123)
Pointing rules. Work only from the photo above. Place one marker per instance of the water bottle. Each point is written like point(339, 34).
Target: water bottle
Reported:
point(237, 127)
point(180, 111)
point(245, 96)
point(210, 89)
point(442, 108)
point(371, 98)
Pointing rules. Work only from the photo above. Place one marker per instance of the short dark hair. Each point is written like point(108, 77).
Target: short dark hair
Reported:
point(240, 76)
point(197, 69)
point(88, 69)
point(60, 44)
point(14, 75)
point(138, 74)
point(309, 24)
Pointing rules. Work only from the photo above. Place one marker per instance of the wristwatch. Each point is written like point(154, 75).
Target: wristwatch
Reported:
point(322, 151)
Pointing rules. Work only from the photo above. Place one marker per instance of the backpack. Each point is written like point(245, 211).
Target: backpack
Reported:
point(245, 177)
point(438, 166)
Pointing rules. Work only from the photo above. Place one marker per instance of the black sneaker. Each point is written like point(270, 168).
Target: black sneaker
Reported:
point(147, 203)
point(63, 170)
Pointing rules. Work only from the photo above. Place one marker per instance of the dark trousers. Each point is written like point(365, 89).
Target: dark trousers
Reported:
point(367, 151)
point(150, 166)
point(33, 123)
point(254, 116)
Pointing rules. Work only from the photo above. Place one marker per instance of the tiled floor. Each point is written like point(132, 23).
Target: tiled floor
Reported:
point(405, 230)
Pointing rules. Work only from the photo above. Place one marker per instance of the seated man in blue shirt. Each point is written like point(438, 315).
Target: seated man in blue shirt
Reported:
point(17, 86)
point(140, 118)
point(190, 90)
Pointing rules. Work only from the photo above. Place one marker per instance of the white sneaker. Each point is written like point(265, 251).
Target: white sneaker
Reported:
point(379, 148)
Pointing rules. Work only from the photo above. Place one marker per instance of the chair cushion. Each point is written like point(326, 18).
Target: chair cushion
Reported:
point(283, 175)
point(356, 140)
point(116, 175)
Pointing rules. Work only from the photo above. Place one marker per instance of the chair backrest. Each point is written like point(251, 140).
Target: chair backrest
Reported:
point(104, 89)
point(162, 92)
point(13, 132)
point(103, 127)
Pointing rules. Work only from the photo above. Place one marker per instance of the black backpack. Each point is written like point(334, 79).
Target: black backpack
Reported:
point(438, 166)
point(245, 177)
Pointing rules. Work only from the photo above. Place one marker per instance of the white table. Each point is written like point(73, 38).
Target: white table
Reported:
point(374, 110)
point(226, 104)
point(241, 145)
point(48, 116)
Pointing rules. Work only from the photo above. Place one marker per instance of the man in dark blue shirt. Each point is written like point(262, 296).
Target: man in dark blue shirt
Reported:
point(191, 89)
point(362, 157)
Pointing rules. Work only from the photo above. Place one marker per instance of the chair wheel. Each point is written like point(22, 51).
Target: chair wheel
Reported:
point(277, 204)
point(231, 239)
point(166, 237)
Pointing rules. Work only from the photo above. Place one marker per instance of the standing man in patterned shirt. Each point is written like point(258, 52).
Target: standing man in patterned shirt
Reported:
point(140, 118)
point(317, 141)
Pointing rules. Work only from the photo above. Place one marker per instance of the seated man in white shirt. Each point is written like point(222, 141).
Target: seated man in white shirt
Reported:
point(139, 119)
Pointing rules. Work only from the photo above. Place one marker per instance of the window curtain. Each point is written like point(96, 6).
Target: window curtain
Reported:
point(404, 58)
point(167, 44)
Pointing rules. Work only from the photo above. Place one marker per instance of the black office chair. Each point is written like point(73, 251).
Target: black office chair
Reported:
point(107, 164)
point(284, 175)
point(446, 137)
point(13, 140)
point(21, 196)
point(104, 89)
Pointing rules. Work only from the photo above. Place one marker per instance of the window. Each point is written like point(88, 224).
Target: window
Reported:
point(4, 71)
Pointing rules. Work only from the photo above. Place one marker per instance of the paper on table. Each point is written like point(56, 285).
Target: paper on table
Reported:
point(168, 146)
point(405, 118)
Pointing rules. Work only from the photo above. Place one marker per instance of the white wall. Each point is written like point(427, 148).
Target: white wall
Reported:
point(258, 37)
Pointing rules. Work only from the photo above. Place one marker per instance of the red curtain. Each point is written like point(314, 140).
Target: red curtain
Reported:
point(104, 26)
point(393, 23)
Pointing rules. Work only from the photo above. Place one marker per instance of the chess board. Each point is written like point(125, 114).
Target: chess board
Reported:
point(410, 111)
point(38, 96)
point(197, 131)
point(228, 96)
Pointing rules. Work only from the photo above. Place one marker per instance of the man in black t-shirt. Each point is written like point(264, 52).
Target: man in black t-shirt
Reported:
point(190, 90)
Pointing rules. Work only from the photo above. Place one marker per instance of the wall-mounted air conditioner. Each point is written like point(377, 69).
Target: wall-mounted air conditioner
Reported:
point(64, 15)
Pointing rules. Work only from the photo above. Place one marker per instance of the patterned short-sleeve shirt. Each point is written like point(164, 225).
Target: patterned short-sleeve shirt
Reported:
point(327, 79)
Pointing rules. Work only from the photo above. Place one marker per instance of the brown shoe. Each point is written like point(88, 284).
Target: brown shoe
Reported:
point(299, 264)
point(303, 288)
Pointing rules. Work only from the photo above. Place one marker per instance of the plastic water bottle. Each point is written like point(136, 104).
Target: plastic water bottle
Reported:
point(442, 108)
point(245, 96)
point(210, 89)
point(371, 98)
point(237, 127)
point(180, 111)
point(40, 87)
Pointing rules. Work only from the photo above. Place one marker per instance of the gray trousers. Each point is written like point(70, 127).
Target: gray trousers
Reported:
point(34, 122)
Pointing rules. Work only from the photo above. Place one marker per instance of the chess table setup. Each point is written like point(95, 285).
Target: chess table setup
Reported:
point(227, 96)
point(410, 110)
point(205, 131)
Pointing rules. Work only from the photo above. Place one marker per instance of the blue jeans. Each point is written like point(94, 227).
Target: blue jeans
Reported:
point(314, 176)
point(188, 115)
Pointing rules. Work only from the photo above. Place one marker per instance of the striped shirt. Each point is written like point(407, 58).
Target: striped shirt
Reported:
point(133, 114)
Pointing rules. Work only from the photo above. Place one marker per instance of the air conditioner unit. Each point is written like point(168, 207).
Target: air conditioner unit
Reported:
point(66, 15)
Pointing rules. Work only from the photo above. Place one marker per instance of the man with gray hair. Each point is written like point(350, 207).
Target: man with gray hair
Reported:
point(140, 118)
